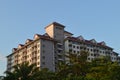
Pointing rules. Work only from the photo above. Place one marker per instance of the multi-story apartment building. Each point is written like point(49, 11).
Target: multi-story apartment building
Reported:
point(95, 49)
point(47, 50)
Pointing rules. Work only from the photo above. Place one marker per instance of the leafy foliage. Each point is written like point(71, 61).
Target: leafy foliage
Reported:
point(76, 68)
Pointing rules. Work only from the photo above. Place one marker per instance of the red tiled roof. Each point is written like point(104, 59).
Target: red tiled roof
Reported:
point(21, 44)
point(45, 37)
point(30, 39)
point(68, 32)
point(40, 37)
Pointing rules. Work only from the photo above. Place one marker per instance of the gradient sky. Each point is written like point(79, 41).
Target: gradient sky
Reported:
point(21, 19)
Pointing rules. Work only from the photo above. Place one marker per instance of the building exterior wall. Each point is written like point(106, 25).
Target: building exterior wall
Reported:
point(94, 50)
point(47, 55)
point(40, 52)
point(10, 62)
point(47, 50)
point(50, 30)
point(28, 53)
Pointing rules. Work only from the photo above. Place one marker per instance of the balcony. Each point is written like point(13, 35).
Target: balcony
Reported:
point(59, 54)
point(60, 59)
point(59, 44)
point(60, 49)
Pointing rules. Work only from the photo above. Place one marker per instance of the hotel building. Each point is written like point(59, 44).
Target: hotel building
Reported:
point(48, 49)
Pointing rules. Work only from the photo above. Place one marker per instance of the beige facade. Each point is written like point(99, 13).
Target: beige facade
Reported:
point(48, 49)
point(39, 51)
point(56, 31)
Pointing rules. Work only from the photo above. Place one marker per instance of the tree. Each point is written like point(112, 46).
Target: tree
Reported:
point(22, 71)
point(114, 71)
point(76, 67)
point(1, 77)
point(78, 63)
point(103, 69)
point(10, 76)
point(45, 74)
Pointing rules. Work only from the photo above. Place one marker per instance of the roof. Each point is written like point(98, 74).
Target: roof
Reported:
point(55, 23)
point(115, 53)
point(87, 42)
point(68, 32)
point(46, 37)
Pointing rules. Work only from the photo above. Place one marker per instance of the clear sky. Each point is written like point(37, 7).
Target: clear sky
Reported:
point(21, 19)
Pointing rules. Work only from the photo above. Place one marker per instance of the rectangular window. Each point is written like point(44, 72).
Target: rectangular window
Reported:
point(43, 51)
point(73, 46)
point(88, 58)
point(74, 51)
point(43, 45)
point(43, 63)
point(38, 63)
point(77, 47)
point(38, 57)
point(91, 54)
point(43, 57)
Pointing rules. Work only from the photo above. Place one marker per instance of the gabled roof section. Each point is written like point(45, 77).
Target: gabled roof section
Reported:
point(20, 46)
point(81, 38)
point(102, 43)
point(115, 53)
point(28, 40)
point(93, 41)
point(45, 36)
point(68, 32)
point(14, 49)
point(55, 24)
point(36, 36)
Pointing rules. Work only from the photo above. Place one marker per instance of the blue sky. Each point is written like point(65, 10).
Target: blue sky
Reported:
point(21, 19)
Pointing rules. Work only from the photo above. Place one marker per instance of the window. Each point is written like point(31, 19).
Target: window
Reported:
point(43, 45)
point(70, 45)
point(38, 51)
point(81, 47)
point(74, 51)
point(38, 57)
point(43, 57)
point(114, 58)
point(59, 46)
point(43, 51)
point(103, 52)
point(59, 51)
point(84, 48)
point(94, 54)
point(43, 40)
point(70, 50)
point(91, 54)
point(88, 49)
point(38, 63)
point(88, 58)
point(73, 46)
point(38, 45)
point(43, 63)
